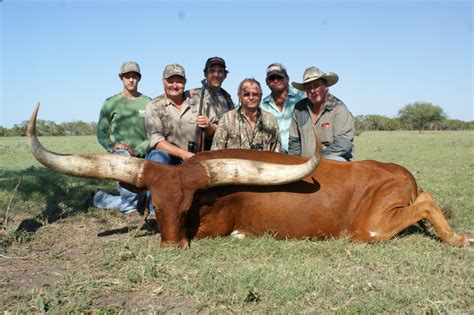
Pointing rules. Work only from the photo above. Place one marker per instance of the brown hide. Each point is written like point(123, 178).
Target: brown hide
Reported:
point(173, 187)
point(367, 201)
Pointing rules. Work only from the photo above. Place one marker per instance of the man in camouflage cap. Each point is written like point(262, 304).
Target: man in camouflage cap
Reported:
point(333, 120)
point(121, 130)
point(172, 119)
point(248, 127)
point(282, 99)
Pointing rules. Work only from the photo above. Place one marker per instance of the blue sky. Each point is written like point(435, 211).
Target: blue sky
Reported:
point(67, 54)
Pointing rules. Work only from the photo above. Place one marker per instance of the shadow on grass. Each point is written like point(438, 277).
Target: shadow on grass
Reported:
point(46, 196)
point(420, 228)
point(148, 228)
point(122, 230)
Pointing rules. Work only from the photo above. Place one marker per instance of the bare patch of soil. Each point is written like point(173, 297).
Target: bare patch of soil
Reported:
point(69, 255)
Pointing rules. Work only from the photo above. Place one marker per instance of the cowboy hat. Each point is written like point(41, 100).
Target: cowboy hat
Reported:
point(312, 74)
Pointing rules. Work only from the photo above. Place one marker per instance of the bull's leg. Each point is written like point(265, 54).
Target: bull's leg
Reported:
point(424, 208)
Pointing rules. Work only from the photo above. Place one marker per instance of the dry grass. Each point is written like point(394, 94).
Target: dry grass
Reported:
point(56, 257)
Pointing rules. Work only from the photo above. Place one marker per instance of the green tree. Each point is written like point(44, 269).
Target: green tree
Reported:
point(455, 124)
point(391, 124)
point(375, 122)
point(19, 130)
point(421, 115)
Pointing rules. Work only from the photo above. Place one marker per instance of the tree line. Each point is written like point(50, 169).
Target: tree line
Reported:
point(50, 128)
point(414, 116)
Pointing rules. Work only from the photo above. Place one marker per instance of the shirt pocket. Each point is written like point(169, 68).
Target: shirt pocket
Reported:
point(191, 120)
point(326, 134)
point(233, 141)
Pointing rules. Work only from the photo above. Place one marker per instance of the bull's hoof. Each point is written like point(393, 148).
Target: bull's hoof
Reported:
point(468, 239)
point(172, 244)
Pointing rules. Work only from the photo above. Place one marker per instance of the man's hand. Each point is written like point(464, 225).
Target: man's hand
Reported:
point(186, 155)
point(123, 146)
point(202, 121)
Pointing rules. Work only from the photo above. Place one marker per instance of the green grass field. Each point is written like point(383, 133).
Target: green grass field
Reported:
point(58, 257)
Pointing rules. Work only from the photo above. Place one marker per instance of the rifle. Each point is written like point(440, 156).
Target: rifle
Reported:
point(199, 135)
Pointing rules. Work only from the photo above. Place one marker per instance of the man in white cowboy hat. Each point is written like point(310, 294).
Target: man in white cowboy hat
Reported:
point(333, 120)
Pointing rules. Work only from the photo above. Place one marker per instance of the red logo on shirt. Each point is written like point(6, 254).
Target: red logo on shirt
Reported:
point(325, 125)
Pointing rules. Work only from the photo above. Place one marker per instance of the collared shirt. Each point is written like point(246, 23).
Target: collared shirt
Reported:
point(235, 131)
point(335, 126)
point(166, 122)
point(283, 117)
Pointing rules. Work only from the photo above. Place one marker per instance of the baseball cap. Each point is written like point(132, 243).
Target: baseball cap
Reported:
point(174, 69)
point(277, 69)
point(214, 61)
point(129, 66)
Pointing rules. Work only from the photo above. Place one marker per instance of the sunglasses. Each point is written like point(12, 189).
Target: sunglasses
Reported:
point(275, 77)
point(251, 94)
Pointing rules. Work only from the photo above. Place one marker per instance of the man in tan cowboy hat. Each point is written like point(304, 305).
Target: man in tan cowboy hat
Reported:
point(333, 120)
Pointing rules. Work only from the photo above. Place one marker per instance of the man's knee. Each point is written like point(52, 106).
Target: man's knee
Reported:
point(121, 152)
point(158, 156)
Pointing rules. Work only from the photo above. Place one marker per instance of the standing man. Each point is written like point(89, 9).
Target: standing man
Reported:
point(215, 73)
point(334, 122)
point(282, 100)
point(212, 95)
point(248, 127)
point(172, 120)
point(121, 130)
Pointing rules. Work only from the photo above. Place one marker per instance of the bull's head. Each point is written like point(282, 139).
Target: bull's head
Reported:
point(172, 187)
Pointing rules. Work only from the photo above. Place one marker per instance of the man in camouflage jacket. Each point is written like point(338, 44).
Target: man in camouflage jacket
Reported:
point(248, 127)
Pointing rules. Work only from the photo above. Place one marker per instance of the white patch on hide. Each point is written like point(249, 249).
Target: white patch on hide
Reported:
point(238, 235)
point(372, 234)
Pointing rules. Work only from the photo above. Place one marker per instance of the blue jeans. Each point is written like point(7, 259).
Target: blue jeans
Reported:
point(338, 158)
point(126, 201)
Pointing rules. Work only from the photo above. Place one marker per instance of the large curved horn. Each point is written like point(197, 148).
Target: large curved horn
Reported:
point(246, 172)
point(113, 167)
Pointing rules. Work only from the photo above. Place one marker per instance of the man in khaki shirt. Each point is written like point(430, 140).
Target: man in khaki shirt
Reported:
point(171, 120)
point(333, 121)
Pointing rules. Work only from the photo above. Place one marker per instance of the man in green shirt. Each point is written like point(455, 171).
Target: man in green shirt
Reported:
point(121, 130)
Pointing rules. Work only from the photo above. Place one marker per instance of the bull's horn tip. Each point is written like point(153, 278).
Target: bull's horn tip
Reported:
point(31, 130)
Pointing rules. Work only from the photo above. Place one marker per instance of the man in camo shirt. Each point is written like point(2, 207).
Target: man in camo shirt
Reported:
point(248, 127)
point(171, 120)
point(214, 96)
